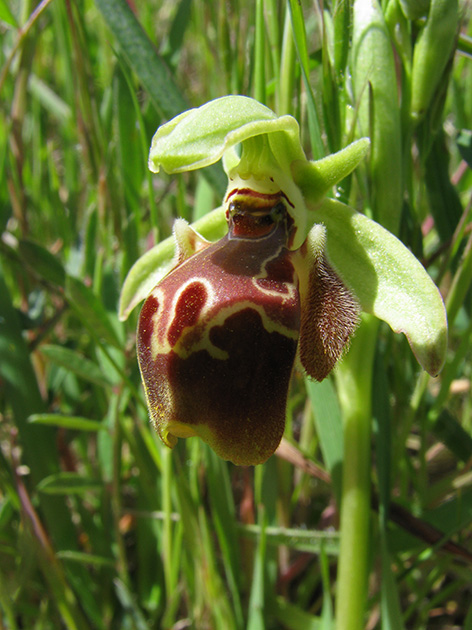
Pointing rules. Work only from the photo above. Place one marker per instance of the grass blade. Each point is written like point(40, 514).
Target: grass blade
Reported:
point(68, 483)
point(390, 604)
point(223, 512)
point(66, 422)
point(294, 618)
point(453, 435)
point(76, 363)
point(257, 596)
point(328, 423)
point(143, 57)
point(91, 311)
point(299, 33)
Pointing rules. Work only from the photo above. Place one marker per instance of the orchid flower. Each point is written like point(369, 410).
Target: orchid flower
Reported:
point(225, 322)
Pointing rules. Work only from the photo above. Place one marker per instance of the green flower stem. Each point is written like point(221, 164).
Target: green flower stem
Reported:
point(354, 379)
point(116, 489)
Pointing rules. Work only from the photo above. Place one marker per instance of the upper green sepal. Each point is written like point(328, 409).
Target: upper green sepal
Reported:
point(199, 137)
point(202, 136)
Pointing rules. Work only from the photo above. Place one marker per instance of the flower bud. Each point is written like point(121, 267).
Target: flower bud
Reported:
point(431, 54)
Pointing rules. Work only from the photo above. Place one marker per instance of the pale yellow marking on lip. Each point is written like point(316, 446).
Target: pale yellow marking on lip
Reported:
point(159, 342)
point(263, 275)
point(180, 429)
point(219, 320)
point(291, 289)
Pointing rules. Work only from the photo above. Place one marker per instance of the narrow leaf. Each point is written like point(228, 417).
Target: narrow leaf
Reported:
point(142, 56)
point(66, 422)
point(464, 144)
point(89, 559)
point(224, 518)
point(328, 423)
point(51, 101)
point(375, 87)
point(327, 611)
point(294, 618)
point(42, 261)
point(68, 483)
point(177, 31)
point(389, 599)
point(453, 435)
point(299, 34)
point(91, 311)
point(311, 541)
point(76, 363)
point(443, 197)
point(383, 438)
point(256, 599)
point(128, 602)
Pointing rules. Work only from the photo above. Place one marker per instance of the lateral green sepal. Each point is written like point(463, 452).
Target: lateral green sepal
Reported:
point(387, 279)
point(316, 179)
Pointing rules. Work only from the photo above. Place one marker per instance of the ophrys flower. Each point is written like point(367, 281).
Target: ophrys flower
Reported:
point(219, 334)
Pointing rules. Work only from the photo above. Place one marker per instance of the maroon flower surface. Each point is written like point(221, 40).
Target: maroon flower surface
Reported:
point(217, 337)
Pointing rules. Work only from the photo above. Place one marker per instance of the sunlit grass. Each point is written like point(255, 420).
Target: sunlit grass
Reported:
point(100, 525)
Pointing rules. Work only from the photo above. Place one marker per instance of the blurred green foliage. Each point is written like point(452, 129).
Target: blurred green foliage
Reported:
point(100, 525)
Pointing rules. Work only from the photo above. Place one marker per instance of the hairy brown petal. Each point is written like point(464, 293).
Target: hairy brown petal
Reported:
point(329, 311)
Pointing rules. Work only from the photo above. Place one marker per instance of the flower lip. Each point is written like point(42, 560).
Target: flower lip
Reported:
point(217, 340)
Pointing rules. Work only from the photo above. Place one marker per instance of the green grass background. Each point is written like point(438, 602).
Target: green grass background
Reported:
point(100, 525)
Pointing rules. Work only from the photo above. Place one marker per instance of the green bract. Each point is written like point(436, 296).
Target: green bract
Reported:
point(387, 280)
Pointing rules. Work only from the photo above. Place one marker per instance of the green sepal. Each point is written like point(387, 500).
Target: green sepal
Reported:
point(315, 179)
point(387, 279)
point(199, 137)
point(150, 268)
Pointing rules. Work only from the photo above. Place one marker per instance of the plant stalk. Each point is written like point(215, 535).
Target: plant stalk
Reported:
point(355, 388)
